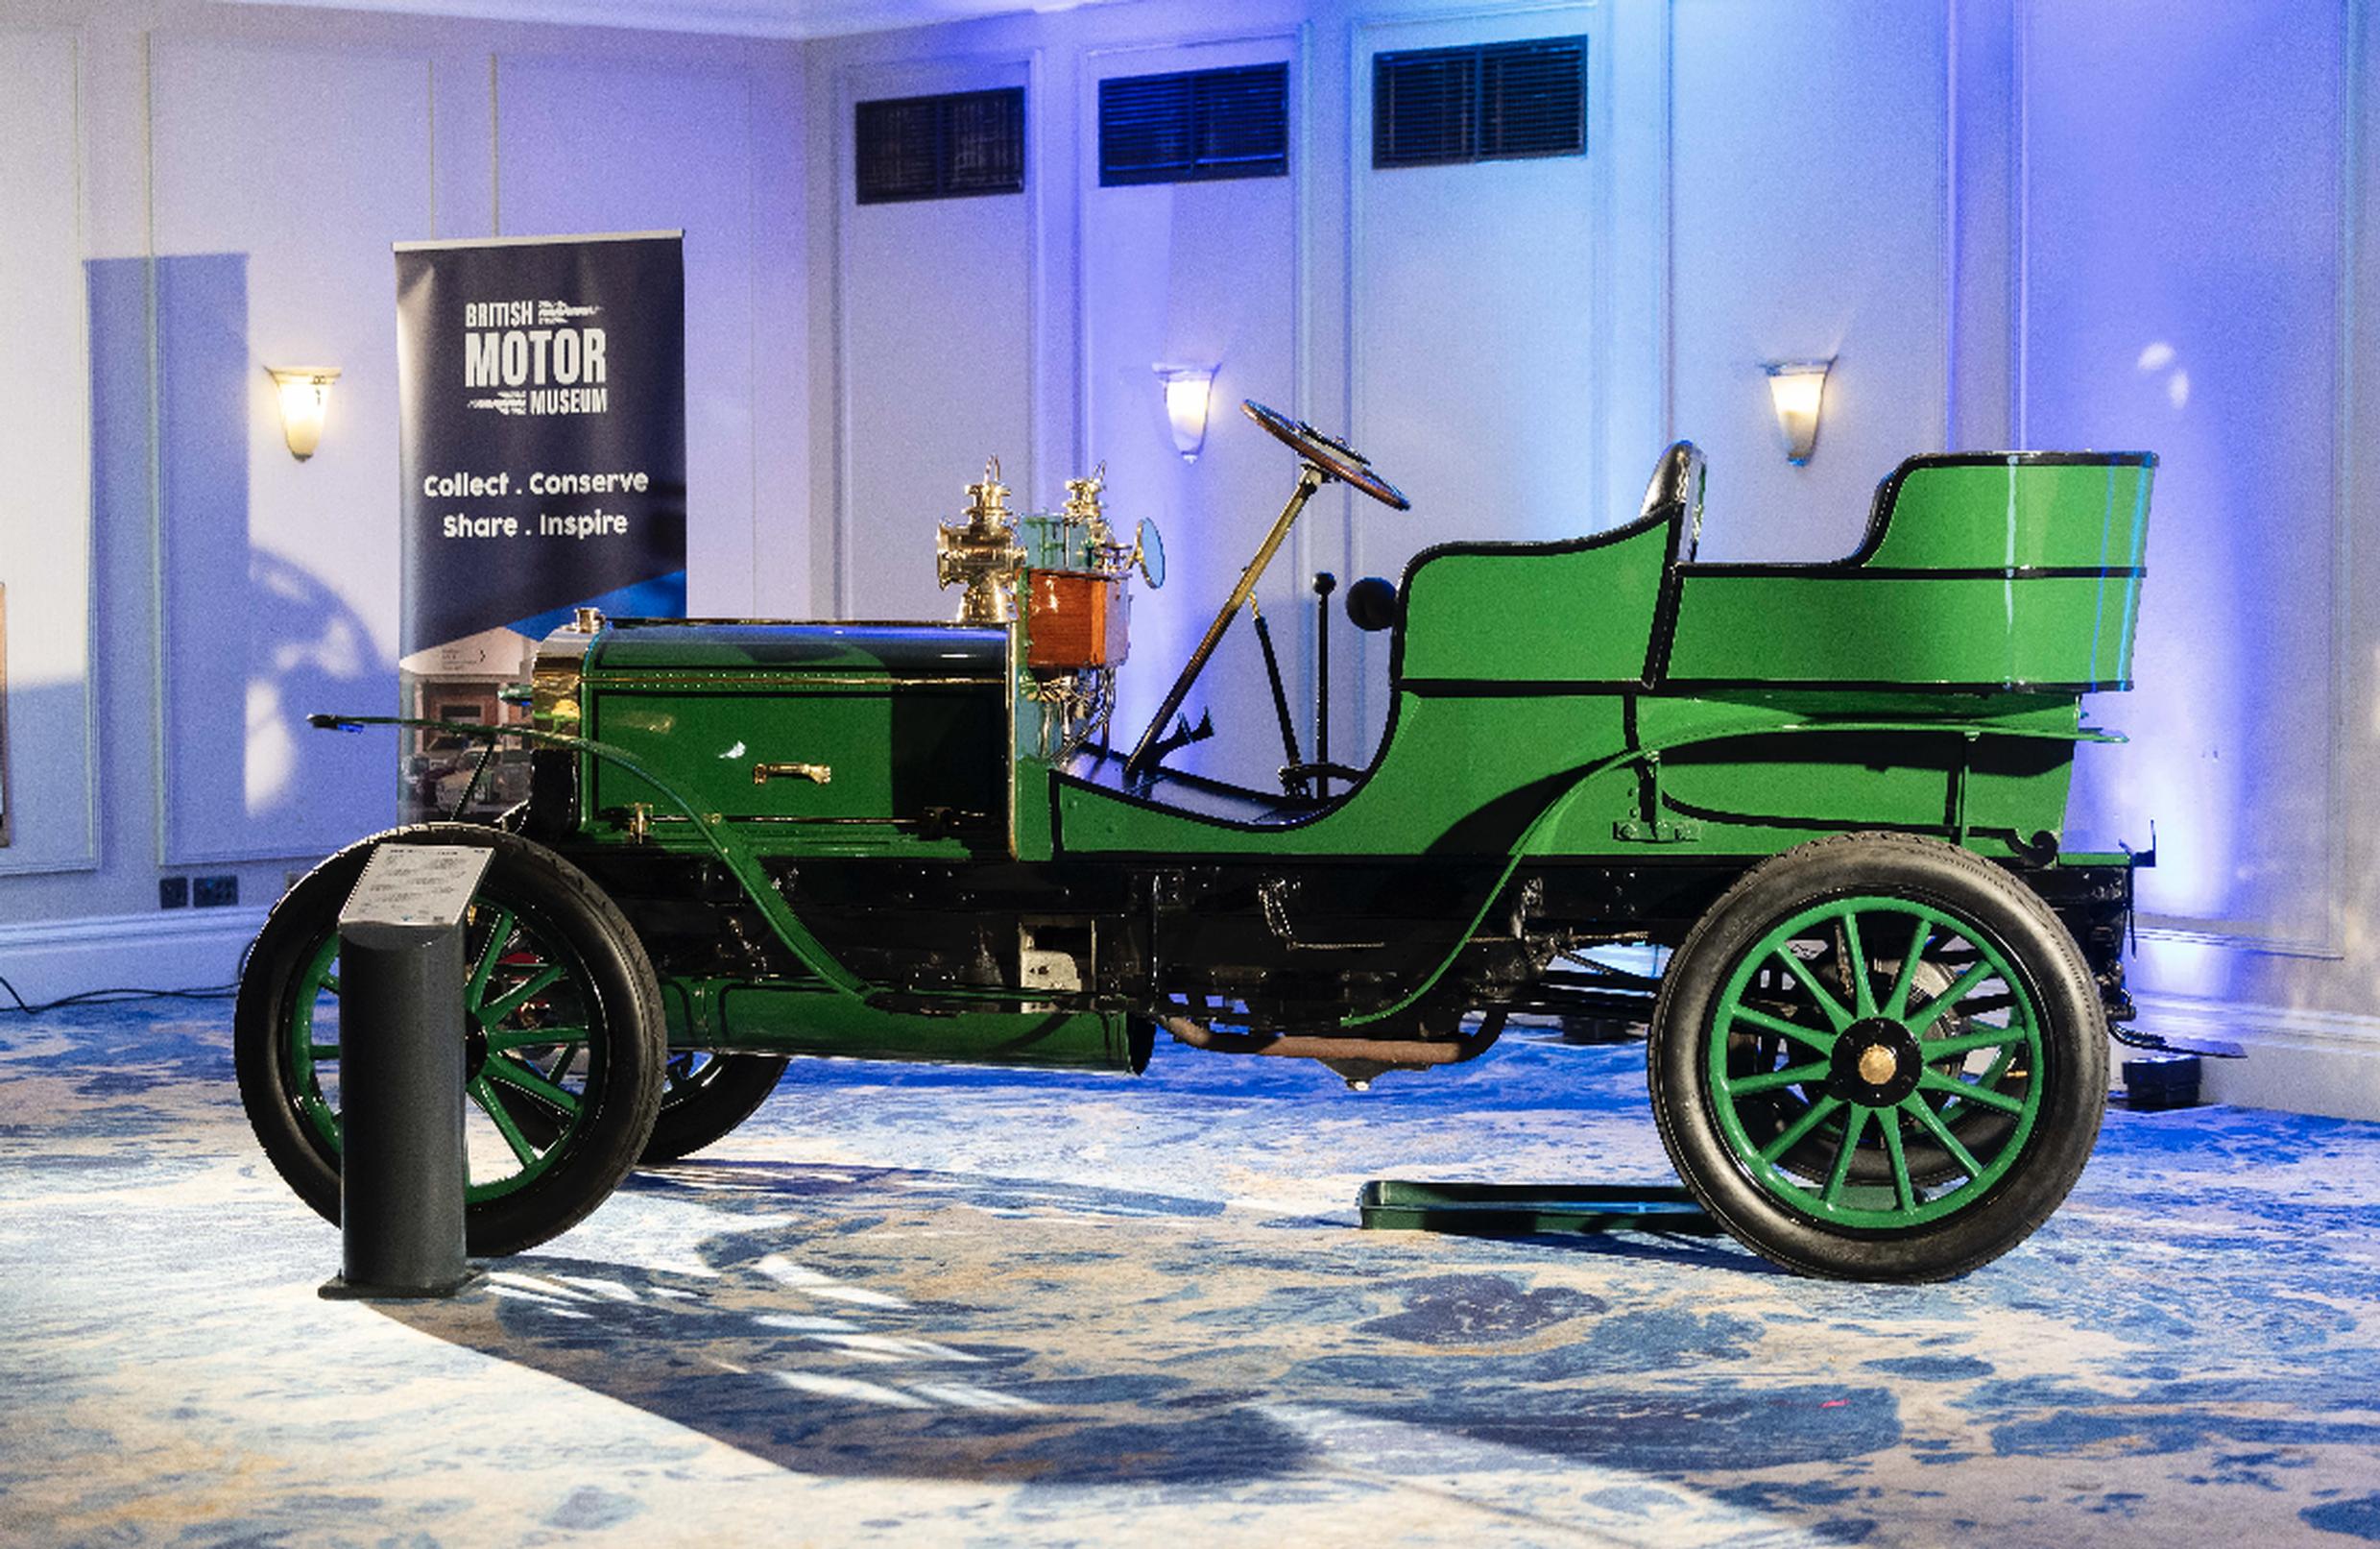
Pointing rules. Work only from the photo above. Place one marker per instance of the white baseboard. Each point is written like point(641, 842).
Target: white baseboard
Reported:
point(169, 949)
point(2325, 1062)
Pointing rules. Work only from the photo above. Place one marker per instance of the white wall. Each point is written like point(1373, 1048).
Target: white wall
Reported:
point(189, 194)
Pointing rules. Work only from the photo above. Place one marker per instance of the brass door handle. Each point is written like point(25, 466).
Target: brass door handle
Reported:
point(816, 773)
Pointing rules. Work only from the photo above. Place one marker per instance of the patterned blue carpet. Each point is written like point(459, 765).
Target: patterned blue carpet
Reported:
point(917, 1305)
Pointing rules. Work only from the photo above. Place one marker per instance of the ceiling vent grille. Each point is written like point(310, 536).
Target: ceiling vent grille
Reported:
point(1487, 102)
point(1194, 125)
point(953, 146)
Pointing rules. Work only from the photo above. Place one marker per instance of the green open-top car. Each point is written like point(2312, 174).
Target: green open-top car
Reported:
point(1831, 797)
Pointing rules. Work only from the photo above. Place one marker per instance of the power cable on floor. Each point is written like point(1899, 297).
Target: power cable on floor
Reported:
point(118, 997)
point(112, 997)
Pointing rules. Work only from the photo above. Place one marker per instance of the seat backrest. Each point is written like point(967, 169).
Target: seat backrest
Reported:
point(1677, 481)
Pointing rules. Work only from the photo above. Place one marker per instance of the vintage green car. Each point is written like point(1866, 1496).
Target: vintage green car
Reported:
point(1828, 798)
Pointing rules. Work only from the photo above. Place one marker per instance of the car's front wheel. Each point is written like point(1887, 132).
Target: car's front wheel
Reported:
point(562, 1014)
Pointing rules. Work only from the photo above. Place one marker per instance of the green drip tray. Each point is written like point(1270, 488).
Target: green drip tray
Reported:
point(1529, 1209)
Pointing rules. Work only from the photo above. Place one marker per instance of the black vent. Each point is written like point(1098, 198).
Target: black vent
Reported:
point(1483, 103)
point(1194, 125)
point(947, 147)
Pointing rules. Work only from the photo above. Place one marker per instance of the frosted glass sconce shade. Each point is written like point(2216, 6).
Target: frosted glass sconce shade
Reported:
point(305, 394)
point(1186, 389)
point(1796, 388)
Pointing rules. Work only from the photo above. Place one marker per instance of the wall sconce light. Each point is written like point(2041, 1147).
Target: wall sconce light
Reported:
point(1796, 387)
point(1186, 388)
point(305, 393)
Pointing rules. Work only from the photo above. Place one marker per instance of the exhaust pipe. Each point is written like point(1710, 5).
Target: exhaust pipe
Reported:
point(1413, 1053)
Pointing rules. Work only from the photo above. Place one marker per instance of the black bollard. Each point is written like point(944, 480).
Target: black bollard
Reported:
point(401, 1056)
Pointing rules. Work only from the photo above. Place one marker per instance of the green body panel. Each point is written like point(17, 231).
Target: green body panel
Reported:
point(781, 1019)
point(1843, 627)
point(894, 753)
point(909, 719)
point(1541, 612)
point(1979, 572)
point(1757, 774)
point(1441, 786)
point(2080, 514)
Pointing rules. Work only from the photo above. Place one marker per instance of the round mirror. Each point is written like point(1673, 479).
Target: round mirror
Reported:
point(1150, 549)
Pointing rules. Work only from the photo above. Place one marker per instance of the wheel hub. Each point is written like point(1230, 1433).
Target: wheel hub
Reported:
point(1875, 1063)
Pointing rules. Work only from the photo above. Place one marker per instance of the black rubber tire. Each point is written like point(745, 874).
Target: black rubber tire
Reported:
point(2036, 944)
point(627, 1044)
point(704, 1107)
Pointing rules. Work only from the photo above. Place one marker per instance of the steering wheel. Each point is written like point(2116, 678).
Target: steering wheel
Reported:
point(1329, 454)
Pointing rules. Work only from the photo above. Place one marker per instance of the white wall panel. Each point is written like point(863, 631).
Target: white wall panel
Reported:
point(45, 533)
point(1476, 305)
point(934, 342)
point(605, 147)
point(1808, 217)
point(1475, 300)
point(2183, 294)
point(1202, 273)
point(281, 176)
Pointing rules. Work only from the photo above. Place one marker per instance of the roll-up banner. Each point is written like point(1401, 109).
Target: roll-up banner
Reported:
point(542, 384)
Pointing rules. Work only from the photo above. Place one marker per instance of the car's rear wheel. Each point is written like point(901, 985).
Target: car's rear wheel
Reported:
point(562, 1017)
point(705, 1096)
point(1879, 1057)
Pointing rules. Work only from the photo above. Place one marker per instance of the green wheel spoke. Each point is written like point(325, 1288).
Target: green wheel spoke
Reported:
point(1854, 966)
point(1800, 1128)
point(1770, 1082)
point(1812, 1037)
point(512, 1073)
point(1828, 1006)
point(1844, 1152)
point(499, 934)
point(504, 1005)
point(559, 1065)
point(504, 1040)
point(1888, 1119)
point(1896, 1005)
point(484, 1093)
point(1918, 1021)
point(330, 983)
point(1932, 1122)
point(1933, 1080)
point(320, 1052)
point(1968, 1042)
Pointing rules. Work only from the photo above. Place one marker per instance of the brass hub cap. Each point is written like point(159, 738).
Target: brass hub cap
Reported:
point(1875, 1062)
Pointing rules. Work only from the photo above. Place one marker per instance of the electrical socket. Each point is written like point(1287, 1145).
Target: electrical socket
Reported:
point(173, 893)
point(215, 892)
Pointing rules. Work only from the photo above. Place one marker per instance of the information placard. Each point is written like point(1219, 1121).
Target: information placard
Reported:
point(425, 884)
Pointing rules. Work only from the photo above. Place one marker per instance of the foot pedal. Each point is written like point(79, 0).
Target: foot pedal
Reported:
point(1529, 1209)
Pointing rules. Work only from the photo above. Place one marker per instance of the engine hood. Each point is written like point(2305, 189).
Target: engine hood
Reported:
point(910, 653)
